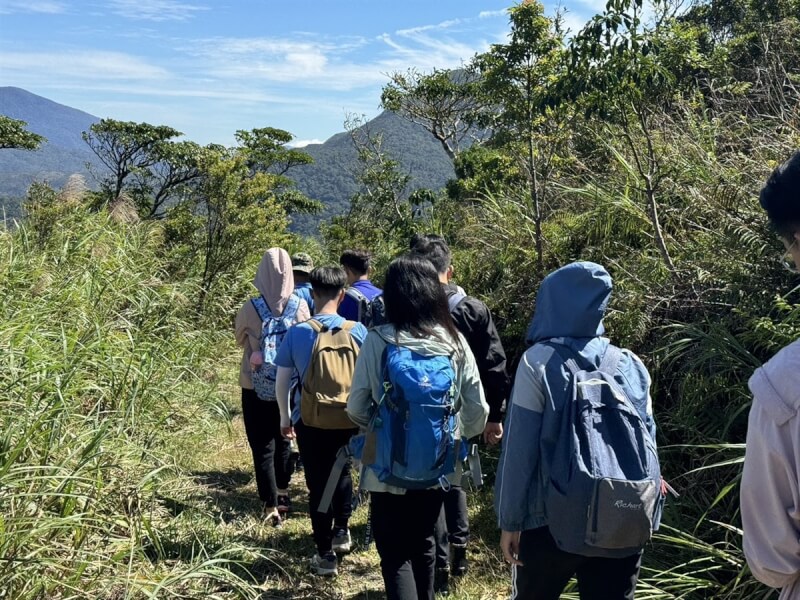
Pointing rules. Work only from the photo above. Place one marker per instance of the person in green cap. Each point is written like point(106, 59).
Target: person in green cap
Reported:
point(302, 265)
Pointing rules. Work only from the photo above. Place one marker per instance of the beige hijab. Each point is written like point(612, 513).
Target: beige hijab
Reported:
point(274, 279)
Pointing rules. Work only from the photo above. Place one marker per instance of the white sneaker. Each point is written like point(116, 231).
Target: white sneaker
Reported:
point(325, 565)
point(342, 542)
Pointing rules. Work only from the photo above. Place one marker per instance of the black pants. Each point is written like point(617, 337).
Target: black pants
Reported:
point(318, 448)
point(546, 571)
point(403, 527)
point(262, 422)
point(452, 526)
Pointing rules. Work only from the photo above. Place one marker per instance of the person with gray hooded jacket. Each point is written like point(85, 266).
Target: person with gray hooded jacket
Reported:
point(770, 490)
point(567, 325)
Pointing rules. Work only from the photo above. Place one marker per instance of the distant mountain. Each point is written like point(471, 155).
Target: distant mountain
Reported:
point(63, 154)
point(330, 179)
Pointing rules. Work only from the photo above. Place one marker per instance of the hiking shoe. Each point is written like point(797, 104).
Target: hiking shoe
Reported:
point(284, 504)
point(342, 541)
point(441, 582)
point(458, 559)
point(325, 565)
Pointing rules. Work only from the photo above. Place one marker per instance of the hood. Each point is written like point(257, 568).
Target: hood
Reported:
point(571, 303)
point(777, 383)
point(274, 279)
point(428, 346)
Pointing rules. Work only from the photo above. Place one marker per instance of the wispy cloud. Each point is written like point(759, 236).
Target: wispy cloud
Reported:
point(155, 10)
point(491, 14)
point(8, 7)
point(89, 65)
point(423, 28)
point(304, 143)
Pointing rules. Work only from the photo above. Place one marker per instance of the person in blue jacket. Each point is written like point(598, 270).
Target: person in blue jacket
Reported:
point(570, 307)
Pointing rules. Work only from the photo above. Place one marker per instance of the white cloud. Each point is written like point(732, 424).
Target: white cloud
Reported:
point(490, 14)
point(155, 10)
point(304, 143)
point(88, 65)
point(8, 7)
point(416, 30)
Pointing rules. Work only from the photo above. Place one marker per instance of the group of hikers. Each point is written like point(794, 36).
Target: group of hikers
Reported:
point(401, 381)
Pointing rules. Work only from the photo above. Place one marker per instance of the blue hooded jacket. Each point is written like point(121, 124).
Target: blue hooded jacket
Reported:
point(567, 322)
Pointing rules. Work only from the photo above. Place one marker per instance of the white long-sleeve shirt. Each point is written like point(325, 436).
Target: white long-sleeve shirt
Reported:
point(770, 492)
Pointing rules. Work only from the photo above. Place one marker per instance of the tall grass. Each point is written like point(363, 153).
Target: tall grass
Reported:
point(102, 363)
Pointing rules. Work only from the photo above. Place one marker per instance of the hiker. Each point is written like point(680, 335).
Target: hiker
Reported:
point(322, 352)
point(302, 265)
point(361, 293)
point(416, 390)
point(260, 326)
point(560, 449)
point(770, 492)
point(474, 320)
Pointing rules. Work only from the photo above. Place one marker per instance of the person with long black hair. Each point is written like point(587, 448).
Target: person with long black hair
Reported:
point(419, 321)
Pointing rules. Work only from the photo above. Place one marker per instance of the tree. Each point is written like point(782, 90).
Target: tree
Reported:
point(14, 135)
point(380, 210)
point(444, 102)
point(518, 80)
point(126, 148)
point(624, 72)
point(265, 150)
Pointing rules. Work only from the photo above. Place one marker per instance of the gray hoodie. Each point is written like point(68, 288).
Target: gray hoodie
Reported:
point(770, 492)
point(367, 386)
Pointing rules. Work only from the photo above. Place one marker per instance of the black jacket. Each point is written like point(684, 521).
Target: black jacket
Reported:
point(474, 321)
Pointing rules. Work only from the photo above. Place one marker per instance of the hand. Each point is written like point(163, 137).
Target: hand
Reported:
point(493, 433)
point(288, 432)
point(509, 544)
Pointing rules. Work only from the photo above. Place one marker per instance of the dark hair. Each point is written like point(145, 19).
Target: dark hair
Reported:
point(433, 248)
point(415, 299)
point(780, 197)
point(327, 281)
point(357, 261)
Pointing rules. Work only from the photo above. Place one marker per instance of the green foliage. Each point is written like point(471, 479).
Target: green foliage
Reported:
point(102, 365)
point(14, 135)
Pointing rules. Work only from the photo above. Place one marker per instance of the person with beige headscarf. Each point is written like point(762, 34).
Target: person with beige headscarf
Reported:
point(279, 307)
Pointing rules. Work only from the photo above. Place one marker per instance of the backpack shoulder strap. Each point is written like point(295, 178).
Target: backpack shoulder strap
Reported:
point(292, 306)
point(610, 360)
point(315, 325)
point(454, 299)
point(262, 308)
point(355, 294)
point(348, 326)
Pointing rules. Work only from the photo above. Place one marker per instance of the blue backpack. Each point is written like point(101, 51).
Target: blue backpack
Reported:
point(273, 330)
point(413, 428)
point(604, 496)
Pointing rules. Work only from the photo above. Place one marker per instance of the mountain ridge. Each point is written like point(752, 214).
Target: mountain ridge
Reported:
point(329, 179)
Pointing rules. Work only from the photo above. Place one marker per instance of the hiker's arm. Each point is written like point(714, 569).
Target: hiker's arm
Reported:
point(283, 391)
point(246, 335)
point(769, 497)
point(520, 458)
point(360, 400)
point(475, 321)
point(473, 410)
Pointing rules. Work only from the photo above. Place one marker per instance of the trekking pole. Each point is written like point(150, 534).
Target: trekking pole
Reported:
point(368, 528)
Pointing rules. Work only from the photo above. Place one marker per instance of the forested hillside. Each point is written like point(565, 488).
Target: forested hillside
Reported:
point(640, 142)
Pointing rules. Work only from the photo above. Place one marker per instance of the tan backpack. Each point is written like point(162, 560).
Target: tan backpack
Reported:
point(329, 376)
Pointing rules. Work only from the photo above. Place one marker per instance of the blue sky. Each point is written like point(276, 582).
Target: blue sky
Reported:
point(210, 67)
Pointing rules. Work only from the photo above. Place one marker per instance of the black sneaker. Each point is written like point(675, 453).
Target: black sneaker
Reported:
point(458, 559)
point(441, 582)
point(284, 505)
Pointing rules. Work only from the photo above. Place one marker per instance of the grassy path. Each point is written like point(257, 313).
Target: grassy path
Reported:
point(227, 507)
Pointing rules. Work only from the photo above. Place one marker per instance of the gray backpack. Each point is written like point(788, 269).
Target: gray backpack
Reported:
point(604, 496)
